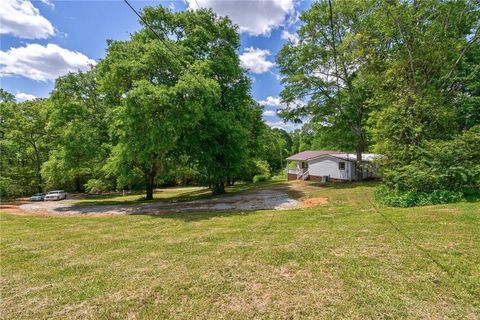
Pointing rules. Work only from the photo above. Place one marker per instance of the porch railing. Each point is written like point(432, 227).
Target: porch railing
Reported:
point(305, 175)
point(302, 174)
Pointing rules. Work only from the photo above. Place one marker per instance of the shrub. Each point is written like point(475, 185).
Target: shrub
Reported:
point(444, 171)
point(260, 178)
point(252, 168)
point(411, 198)
point(281, 176)
point(8, 188)
point(262, 168)
point(97, 186)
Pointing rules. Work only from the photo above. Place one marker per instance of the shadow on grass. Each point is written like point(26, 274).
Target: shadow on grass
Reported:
point(240, 200)
point(185, 196)
point(293, 192)
point(347, 185)
point(199, 194)
point(197, 215)
point(197, 205)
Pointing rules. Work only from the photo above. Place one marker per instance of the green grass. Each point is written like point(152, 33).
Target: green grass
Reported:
point(341, 260)
point(174, 194)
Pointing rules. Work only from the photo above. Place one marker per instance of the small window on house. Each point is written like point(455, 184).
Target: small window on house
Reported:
point(341, 166)
point(304, 165)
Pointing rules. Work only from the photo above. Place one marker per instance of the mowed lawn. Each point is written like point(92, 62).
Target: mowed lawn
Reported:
point(344, 259)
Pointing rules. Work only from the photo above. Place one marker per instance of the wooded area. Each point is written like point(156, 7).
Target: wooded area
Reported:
point(172, 105)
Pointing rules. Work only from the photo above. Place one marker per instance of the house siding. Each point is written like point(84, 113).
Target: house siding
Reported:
point(328, 166)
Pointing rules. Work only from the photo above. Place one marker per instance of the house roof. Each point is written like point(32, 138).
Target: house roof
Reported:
point(311, 154)
point(353, 156)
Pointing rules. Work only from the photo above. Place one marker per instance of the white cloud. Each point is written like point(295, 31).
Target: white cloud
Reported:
point(21, 96)
point(42, 63)
point(289, 37)
point(289, 126)
point(271, 101)
point(255, 17)
point(293, 18)
point(277, 103)
point(269, 113)
point(277, 76)
point(255, 60)
point(48, 3)
point(21, 19)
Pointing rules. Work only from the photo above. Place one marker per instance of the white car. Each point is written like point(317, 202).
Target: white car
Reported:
point(37, 197)
point(56, 195)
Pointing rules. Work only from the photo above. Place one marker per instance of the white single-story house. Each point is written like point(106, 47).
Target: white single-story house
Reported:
point(332, 165)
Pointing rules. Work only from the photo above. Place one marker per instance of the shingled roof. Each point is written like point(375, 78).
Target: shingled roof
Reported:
point(311, 154)
point(306, 155)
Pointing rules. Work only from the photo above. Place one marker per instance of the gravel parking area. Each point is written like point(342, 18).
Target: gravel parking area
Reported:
point(265, 199)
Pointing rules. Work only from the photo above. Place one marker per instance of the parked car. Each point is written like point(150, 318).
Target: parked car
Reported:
point(56, 195)
point(38, 197)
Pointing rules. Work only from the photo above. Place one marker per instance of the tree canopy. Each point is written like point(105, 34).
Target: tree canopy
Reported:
point(172, 104)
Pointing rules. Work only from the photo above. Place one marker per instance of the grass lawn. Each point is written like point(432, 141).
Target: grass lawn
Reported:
point(345, 259)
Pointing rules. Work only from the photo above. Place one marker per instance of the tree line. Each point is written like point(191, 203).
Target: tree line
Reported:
point(154, 111)
point(398, 78)
point(173, 105)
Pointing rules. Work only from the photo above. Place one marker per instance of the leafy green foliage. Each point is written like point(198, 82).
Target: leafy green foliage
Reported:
point(429, 54)
point(413, 198)
point(165, 109)
point(326, 78)
point(260, 178)
point(24, 146)
point(412, 91)
point(276, 146)
point(6, 96)
point(446, 171)
point(97, 186)
point(398, 77)
point(78, 125)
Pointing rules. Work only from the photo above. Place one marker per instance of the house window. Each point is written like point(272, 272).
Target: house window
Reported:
point(304, 165)
point(341, 166)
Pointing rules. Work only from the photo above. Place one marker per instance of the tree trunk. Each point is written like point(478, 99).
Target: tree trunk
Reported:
point(38, 168)
point(78, 183)
point(218, 187)
point(149, 183)
point(39, 182)
point(358, 162)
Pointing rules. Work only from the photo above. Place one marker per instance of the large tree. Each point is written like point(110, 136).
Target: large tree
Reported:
point(427, 81)
point(178, 89)
point(221, 143)
point(78, 123)
point(323, 74)
point(150, 120)
point(24, 145)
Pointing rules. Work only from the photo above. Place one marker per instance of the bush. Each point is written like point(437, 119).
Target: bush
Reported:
point(97, 186)
point(8, 188)
point(443, 171)
point(252, 168)
point(281, 176)
point(260, 178)
point(412, 198)
point(262, 168)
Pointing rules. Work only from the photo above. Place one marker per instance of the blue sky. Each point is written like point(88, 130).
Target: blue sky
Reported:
point(41, 40)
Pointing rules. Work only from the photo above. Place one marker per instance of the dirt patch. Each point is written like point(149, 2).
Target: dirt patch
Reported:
point(267, 199)
point(280, 197)
point(312, 202)
point(11, 208)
